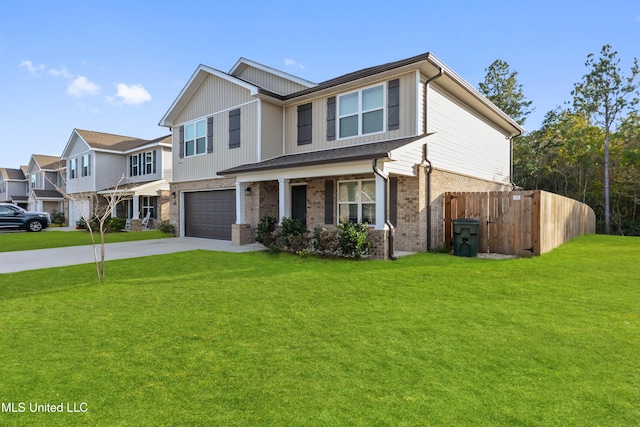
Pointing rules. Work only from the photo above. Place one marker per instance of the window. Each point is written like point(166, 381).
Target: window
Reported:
point(32, 180)
point(195, 138)
point(148, 206)
point(357, 201)
point(134, 169)
point(361, 113)
point(86, 166)
point(148, 162)
point(73, 168)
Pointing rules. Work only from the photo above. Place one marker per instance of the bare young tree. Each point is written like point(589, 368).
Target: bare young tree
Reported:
point(96, 219)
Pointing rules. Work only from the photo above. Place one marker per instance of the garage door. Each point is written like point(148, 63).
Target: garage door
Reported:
point(209, 214)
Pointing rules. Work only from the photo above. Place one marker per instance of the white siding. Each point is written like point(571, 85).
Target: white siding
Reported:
point(167, 170)
point(463, 142)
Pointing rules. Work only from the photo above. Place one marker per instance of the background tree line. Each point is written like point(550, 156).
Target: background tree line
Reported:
point(588, 149)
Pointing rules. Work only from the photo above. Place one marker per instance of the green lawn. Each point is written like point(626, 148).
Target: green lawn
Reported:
point(210, 338)
point(22, 241)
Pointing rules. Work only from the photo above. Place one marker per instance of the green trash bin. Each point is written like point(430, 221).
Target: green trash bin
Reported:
point(465, 237)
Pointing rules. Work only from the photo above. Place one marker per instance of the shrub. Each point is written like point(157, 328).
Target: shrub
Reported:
point(325, 242)
point(115, 224)
point(294, 234)
point(352, 240)
point(57, 217)
point(167, 228)
point(266, 231)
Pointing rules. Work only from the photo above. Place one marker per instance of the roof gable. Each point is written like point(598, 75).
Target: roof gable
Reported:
point(100, 141)
point(192, 86)
point(43, 162)
point(242, 69)
point(9, 174)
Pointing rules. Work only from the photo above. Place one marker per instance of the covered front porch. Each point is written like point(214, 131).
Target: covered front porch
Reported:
point(141, 204)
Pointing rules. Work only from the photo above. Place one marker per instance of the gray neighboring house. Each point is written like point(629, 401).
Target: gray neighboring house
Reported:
point(97, 162)
point(380, 146)
point(44, 173)
point(13, 186)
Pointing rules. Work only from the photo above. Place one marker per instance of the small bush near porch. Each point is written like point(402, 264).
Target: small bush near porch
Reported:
point(211, 338)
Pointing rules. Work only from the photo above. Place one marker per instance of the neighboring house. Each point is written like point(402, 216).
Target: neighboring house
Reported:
point(380, 145)
point(44, 174)
point(13, 187)
point(99, 162)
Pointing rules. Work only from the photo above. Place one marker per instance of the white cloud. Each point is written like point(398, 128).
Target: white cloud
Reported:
point(293, 63)
point(32, 69)
point(81, 87)
point(132, 94)
point(60, 73)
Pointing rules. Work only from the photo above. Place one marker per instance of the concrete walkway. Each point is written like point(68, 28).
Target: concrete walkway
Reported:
point(11, 262)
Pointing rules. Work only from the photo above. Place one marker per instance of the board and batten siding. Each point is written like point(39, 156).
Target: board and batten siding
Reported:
point(272, 128)
point(109, 169)
point(167, 170)
point(207, 165)
point(270, 81)
point(463, 142)
point(319, 120)
point(214, 95)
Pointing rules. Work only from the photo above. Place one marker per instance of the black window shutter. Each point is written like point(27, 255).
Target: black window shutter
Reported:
point(154, 161)
point(331, 119)
point(130, 165)
point(209, 134)
point(328, 202)
point(181, 142)
point(393, 200)
point(234, 128)
point(304, 124)
point(393, 102)
point(141, 166)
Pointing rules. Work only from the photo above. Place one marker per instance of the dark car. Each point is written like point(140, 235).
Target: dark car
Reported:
point(12, 216)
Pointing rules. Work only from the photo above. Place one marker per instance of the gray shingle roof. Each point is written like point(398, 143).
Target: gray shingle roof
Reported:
point(47, 194)
point(107, 141)
point(48, 162)
point(374, 150)
point(13, 174)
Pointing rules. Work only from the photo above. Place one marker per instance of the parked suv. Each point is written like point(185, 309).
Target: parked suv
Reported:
point(12, 216)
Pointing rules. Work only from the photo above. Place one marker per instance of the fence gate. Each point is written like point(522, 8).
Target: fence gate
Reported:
point(509, 221)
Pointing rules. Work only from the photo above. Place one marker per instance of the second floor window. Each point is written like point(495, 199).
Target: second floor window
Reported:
point(73, 168)
point(195, 138)
point(142, 163)
point(32, 179)
point(86, 165)
point(361, 112)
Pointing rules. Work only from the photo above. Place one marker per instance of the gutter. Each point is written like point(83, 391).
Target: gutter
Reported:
point(425, 160)
point(387, 222)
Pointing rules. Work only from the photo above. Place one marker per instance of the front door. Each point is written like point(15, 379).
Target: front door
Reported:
point(299, 203)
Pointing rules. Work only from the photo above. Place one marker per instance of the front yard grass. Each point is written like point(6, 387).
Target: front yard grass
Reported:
point(210, 338)
point(22, 241)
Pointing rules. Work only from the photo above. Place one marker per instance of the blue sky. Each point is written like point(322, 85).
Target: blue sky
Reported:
point(116, 66)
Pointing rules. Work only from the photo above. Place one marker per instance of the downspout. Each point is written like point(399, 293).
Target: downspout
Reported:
point(425, 161)
point(387, 221)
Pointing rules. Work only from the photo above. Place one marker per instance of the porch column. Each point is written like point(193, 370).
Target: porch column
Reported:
point(284, 198)
point(113, 207)
point(136, 207)
point(381, 185)
point(240, 202)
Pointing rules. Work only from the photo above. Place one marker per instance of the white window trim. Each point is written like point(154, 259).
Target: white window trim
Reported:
point(195, 139)
point(358, 202)
point(360, 112)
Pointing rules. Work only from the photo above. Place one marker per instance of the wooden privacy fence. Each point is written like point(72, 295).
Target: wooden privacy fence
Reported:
point(522, 223)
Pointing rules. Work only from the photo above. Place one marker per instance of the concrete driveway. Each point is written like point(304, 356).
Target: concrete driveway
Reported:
point(11, 262)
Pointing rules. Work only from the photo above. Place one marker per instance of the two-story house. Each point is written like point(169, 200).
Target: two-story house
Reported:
point(379, 145)
point(13, 186)
point(102, 165)
point(45, 174)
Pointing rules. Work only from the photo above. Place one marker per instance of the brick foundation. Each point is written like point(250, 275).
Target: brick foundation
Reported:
point(241, 234)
